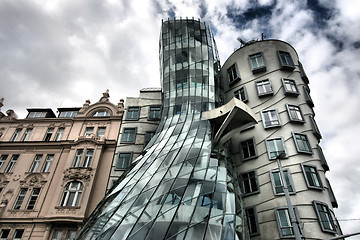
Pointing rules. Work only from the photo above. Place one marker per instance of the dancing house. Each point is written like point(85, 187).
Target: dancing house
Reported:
point(235, 154)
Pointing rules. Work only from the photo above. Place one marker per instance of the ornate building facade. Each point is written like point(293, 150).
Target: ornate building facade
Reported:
point(54, 169)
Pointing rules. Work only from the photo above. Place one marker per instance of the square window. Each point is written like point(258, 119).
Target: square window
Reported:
point(302, 143)
point(252, 221)
point(275, 147)
point(290, 87)
point(286, 229)
point(270, 118)
point(124, 160)
point(295, 113)
point(286, 61)
point(128, 135)
point(248, 149)
point(233, 74)
point(88, 131)
point(325, 217)
point(101, 131)
point(133, 113)
point(312, 176)
point(264, 87)
point(241, 94)
point(277, 182)
point(257, 63)
point(249, 183)
point(154, 113)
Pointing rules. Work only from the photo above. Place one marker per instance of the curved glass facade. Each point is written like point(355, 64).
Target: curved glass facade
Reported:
point(182, 186)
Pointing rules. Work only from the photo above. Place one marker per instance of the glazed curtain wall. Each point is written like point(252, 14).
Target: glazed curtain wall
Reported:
point(180, 188)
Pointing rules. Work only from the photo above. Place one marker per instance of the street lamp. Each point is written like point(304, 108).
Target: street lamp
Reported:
point(293, 219)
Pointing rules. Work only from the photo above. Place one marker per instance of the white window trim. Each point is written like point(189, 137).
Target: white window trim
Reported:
point(271, 92)
point(263, 112)
point(290, 92)
point(290, 107)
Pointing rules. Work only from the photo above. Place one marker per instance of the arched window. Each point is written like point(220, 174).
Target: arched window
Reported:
point(72, 194)
point(101, 113)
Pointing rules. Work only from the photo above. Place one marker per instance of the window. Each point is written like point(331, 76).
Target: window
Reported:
point(249, 183)
point(315, 128)
point(332, 197)
point(312, 176)
point(72, 194)
point(18, 234)
point(290, 87)
point(286, 229)
point(11, 164)
point(252, 221)
point(101, 113)
point(20, 198)
point(16, 135)
point(148, 137)
point(59, 134)
point(257, 63)
point(124, 160)
point(26, 134)
point(177, 109)
point(233, 74)
point(48, 134)
point(89, 131)
point(68, 114)
point(307, 96)
point(303, 74)
point(278, 184)
point(286, 61)
point(57, 235)
point(264, 88)
point(270, 118)
point(70, 235)
point(77, 159)
point(154, 113)
point(34, 196)
point(88, 158)
point(302, 143)
point(3, 160)
point(4, 234)
point(248, 149)
point(36, 163)
point(48, 160)
point(322, 158)
point(37, 115)
point(128, 135)
point(133, 113)
point(101, 131)
point(275, 147)
point(241, 94)
point(324, 216)
point(295, 113)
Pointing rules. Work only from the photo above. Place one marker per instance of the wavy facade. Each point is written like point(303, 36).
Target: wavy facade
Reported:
point(182, 186)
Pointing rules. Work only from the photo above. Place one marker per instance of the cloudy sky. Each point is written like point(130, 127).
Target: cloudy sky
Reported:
point(59, 53)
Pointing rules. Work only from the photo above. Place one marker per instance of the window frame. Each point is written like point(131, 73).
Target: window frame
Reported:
point(77, 158)
point(303, 141)
point(36, 163)
point(250, 184)
point(259, 68)
point(328, 218)
point(47, 163)
point(255, 219)
point(26, 134)
point(16, 134)
point(7, 233)
point(89, 131)
point(88, 158)
point(68, 114)
point(3, 159)
point(292, 84)
point(288, 220)
point(263, 83)
point(291, 109)
point(307, 96)
point(126, 140)
point(278, 151)
point(101, 131)
point(150, 117)
point(20, 198)
point(10, 166)
point(33, 199)
point(131, 112)
point(17, 231)
point(145, 136)
point(315, 128)
point(59, 134)
point(67, 193)
point(243, 89)
point(322, 158)
point(101, 113)
point(288, 179)
point(48, 134)
point(286, 61)
point(233, 74)
point(123, 167)
point(264, 112)
point(314, 175)
point(243, 158)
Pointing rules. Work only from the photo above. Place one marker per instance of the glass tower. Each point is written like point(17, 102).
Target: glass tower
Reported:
point(182, 186)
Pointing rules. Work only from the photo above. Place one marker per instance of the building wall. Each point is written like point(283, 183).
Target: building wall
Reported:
point(49, 214)
point(264, 200)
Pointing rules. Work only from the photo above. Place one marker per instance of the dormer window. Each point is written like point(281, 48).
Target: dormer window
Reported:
point(37, 114)
point(101, 113)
